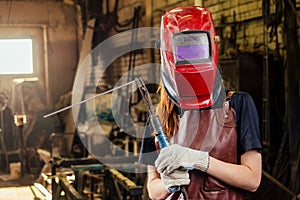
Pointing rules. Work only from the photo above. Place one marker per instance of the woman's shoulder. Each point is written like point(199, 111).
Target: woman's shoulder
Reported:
point(239, 95)
point(239, 99)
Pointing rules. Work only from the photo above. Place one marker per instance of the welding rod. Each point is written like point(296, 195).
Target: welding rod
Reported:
point(88, 99)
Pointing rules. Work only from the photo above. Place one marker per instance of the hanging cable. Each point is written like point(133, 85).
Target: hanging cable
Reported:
point(265, 100)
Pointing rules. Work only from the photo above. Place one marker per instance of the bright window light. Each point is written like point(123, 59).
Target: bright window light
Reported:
point(16, 56)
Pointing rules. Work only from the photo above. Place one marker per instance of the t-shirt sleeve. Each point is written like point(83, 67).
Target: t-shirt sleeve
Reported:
point(148, 153)
point(247, 122)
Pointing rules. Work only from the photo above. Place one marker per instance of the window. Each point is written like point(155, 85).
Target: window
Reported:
point(16, 56)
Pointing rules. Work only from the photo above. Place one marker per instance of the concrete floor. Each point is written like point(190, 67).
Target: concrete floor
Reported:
point(20, 188)
point(21, 192)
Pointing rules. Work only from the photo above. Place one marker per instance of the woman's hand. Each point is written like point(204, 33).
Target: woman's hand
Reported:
point(175, 179)
point(176, 157)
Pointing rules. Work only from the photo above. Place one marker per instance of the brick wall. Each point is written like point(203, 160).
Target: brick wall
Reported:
point(247, 15)
point(241, 19)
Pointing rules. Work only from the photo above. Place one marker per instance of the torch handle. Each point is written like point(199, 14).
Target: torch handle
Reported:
point(162, 140)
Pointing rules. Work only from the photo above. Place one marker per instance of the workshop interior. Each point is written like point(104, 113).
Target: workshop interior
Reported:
point(73, 112)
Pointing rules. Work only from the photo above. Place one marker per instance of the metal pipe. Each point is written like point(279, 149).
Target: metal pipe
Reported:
point(46, 66)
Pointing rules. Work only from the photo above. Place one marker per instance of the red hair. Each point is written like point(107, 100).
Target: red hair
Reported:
point(167, 113)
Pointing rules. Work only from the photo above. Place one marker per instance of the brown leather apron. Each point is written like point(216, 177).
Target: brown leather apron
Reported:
point(217, 134)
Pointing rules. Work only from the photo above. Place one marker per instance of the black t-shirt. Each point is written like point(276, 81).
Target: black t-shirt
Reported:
point(247, 125)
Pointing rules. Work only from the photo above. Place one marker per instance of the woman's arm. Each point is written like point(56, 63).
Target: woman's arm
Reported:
point(246, 176)
point(156, 188)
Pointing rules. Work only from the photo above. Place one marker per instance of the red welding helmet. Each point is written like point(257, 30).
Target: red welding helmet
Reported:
point(189, 54)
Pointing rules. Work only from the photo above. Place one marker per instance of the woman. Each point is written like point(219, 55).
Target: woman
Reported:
point(215, 141)
point(245, 175)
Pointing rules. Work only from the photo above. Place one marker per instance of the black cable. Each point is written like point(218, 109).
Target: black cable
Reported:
point(181, 192)
point(272, 19)
point(184, 193)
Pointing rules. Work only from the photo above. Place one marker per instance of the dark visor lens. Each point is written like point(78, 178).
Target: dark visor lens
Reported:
point(193, 46)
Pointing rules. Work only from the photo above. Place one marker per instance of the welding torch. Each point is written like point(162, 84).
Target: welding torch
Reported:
point(157, 126)
point(154, 118)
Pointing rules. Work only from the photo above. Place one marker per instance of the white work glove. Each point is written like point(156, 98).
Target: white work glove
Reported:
point(175, 157)
point(175, 180)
